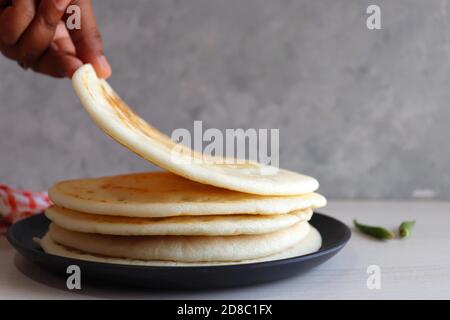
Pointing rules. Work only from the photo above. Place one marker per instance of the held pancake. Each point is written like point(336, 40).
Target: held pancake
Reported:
point(223, 225)
point(164, 194)
point(117, 120)
point(311, 243)
point(182, 248)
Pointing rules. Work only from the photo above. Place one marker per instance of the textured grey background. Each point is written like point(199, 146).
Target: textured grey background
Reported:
point(366, 112)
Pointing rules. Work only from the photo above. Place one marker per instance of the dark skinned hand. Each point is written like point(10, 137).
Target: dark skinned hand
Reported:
point(34, 33)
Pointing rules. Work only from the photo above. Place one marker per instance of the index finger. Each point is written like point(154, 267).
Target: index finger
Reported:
point(87, 40)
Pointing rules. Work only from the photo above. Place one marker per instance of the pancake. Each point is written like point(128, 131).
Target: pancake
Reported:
point(311, 243)
point(182, 248)
point(117, 120)
point(164, 194)
point(223, 225)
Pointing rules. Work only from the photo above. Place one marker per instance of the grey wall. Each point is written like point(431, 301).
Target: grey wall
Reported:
point(366, 112)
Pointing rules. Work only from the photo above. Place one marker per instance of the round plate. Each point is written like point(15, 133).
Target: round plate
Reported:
point(334, 234)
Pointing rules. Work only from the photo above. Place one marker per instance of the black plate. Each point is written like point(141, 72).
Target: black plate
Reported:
point(334, 233)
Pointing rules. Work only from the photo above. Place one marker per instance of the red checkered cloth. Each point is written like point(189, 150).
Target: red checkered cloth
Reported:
point(18, 204)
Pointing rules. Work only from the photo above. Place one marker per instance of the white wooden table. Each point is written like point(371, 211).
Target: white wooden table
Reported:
point(418, 267)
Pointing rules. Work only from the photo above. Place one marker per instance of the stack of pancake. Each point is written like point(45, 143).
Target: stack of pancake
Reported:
point(160, 216)
point(197, 212)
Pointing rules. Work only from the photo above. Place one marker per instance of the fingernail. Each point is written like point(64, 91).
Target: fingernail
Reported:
point(61, 5)
point(103, 67)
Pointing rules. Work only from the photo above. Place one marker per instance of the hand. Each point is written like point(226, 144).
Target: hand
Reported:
point(34, 34)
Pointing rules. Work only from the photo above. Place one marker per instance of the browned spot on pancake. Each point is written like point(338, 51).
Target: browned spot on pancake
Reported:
point(107, 185)
point(137, 124)
point(133, 121)
point(72, 194)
